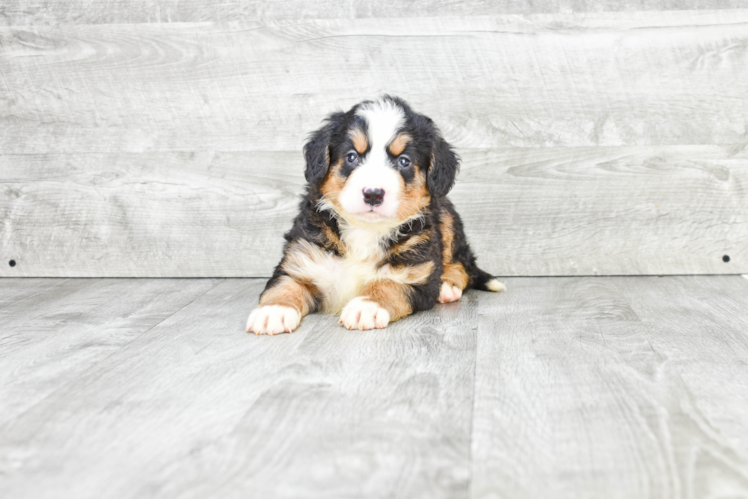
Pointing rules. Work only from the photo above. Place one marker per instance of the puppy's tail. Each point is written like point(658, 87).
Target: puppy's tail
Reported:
point(487, 282)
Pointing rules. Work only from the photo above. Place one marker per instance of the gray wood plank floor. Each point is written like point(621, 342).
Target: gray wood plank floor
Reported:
point(584, 386)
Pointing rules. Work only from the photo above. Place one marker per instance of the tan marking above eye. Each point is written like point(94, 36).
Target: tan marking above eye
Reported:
point(398, 144)
point(360, 142)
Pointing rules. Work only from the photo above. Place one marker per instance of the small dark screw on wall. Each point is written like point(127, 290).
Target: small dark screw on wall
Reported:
point(12, 263)
point(726, 258)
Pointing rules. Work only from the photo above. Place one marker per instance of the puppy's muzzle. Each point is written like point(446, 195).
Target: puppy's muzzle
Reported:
point(373, 197)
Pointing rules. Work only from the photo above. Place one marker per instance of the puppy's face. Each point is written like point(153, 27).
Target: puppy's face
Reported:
point(381, 163)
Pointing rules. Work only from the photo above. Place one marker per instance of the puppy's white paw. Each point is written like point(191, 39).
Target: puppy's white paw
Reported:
point(271, 320)
point(449, 293)
point(363, 314)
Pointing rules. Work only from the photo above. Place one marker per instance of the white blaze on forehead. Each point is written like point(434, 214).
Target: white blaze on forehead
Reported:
point(384, 118)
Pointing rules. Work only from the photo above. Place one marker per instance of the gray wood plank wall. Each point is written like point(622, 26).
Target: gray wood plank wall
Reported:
point(164, 140)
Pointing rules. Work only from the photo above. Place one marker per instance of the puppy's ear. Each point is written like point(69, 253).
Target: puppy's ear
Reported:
point(443, 169)
point(317, 150)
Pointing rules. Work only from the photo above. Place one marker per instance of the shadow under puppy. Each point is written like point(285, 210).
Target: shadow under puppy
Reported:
point(376, 239)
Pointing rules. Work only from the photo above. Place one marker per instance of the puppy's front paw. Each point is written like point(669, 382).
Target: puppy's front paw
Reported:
point(449, 293)
point(363, 314)
point(271, 320)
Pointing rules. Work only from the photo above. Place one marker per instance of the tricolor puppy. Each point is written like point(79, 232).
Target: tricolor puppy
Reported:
point(376, 238)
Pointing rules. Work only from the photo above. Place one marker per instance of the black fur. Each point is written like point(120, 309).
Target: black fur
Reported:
point(331, 144)
point(443, 169)
point(317, 149)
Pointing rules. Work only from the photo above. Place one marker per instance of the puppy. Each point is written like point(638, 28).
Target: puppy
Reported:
point(376, 239)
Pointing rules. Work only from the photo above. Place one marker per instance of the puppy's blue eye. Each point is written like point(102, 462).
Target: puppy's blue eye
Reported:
point(403, 161)
point(352, 157)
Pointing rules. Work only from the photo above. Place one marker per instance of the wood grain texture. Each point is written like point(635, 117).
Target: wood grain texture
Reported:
point(207, 214)
point(195, 407)
point(549, 211)
point(594, 142)
point(49, 12)
point(584, 387)
point(616, 387)
point(607, 211)
point(67, 326)
point(597, 79)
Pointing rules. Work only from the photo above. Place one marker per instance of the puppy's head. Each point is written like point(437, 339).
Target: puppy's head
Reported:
point(379, 163)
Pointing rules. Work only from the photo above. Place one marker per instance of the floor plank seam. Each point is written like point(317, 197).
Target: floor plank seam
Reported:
point(166, 318)
point(99, 362)
point(469, 492)
point(591, 387)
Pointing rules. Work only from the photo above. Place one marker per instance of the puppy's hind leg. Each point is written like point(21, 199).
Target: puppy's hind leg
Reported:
point(454, 280)
point(449, 293)
point(281, 308)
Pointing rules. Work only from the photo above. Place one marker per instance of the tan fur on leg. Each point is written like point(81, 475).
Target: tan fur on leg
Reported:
point(454, 272)
point(281, 307)
point(391, 296)
point(289, 293)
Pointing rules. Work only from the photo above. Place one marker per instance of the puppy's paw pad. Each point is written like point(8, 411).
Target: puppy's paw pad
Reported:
point(449, 293)
point(495, 285)
point(271, 320)
point(363, 314)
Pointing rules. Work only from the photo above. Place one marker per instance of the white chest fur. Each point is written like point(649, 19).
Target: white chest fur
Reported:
point(339, 279)
point(352, 272)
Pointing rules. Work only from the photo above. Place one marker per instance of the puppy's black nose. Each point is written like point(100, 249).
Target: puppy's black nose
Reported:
point(374, 197)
